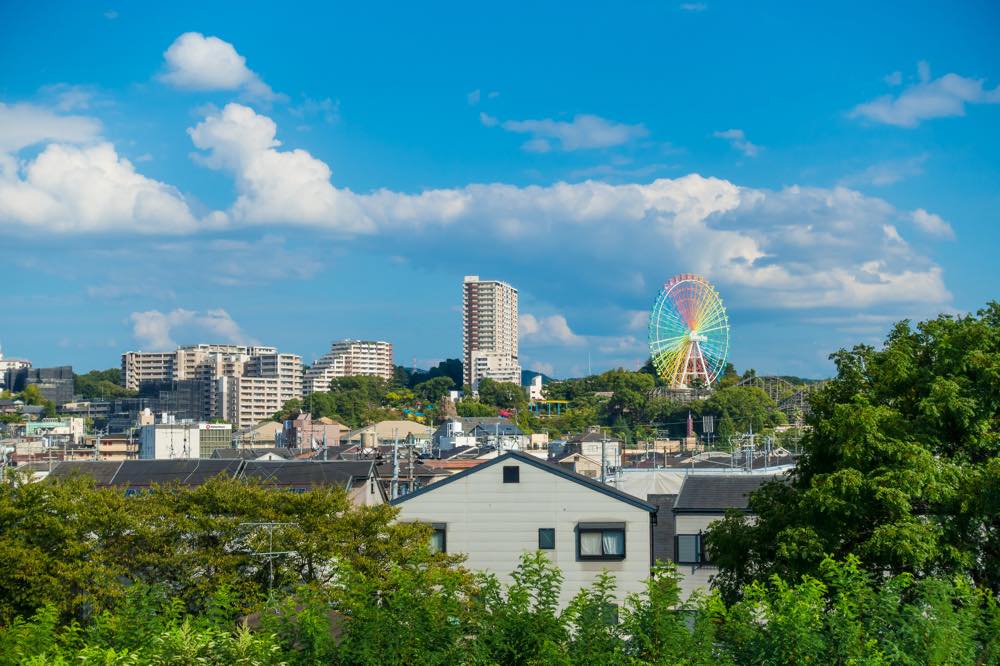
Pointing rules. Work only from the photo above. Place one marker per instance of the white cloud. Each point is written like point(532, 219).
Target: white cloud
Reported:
point(888, 173)
point(487, 120)
point(585, 131)
point(738, 140)
point(273, 186)
point(23, 125)
point(155, 330)
point(197, 62)
point(930, 98)
point(894, 79)
point(550, 330)
point(693, 6)
point(797, 247)
point(933, 224)
point(327, 109)
point(89, 189)
point(473, 97)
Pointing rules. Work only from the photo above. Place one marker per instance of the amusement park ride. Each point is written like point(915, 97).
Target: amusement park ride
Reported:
point(688, 333)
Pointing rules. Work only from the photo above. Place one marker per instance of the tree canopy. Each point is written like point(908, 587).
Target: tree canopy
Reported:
point(901, 469)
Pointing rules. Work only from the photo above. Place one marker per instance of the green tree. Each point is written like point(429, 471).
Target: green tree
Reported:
point(433, 390)
point(748, 407)
point(901, 468)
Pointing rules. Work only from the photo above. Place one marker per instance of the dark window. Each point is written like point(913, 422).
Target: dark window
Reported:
point(512, 474)
point(439, 540)
point(546, 538)
point(600, 541)
point(690, 549)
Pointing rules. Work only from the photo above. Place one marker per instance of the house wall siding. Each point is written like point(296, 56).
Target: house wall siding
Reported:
point(493, 523)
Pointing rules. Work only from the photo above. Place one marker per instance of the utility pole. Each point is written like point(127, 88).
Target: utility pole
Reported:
point(394, 486)
point(604, 443)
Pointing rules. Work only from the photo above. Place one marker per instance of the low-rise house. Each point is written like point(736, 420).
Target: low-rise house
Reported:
point(595, 444)
point(702, 500)
point(133, 476)
point(581, 464)
point(306, 432)
point(384, 433)
point(358, 478)
point(498, 510)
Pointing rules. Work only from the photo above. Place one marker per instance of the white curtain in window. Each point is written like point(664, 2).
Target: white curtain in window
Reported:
point(590, 543)
point(687, 548)
point(614, 542)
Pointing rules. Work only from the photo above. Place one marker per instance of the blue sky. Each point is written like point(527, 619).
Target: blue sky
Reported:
point(185, 172)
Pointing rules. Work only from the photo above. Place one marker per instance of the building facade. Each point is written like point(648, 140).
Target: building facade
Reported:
point(241, 384)
point(489, 331)
point(166, 441)
point(56, 384)
point(515, 504)
point(10, 364)
point(348, 358)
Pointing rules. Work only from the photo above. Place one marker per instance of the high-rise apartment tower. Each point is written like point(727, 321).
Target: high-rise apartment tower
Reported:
point(489, 331)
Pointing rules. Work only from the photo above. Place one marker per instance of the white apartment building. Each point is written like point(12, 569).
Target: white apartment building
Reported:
point(489, 331)
point(348, 358)
point(244, 384)
point(164, 441)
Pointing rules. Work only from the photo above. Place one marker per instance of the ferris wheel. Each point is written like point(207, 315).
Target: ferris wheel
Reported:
point(688, 332)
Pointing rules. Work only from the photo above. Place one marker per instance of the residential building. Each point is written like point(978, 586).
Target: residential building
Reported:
point(10, 364)
point(163, 441)
point(358, 478)
point(56, 384)
point(348, 358)
point(385, 433)
point(489, 331)
point(70, 427)
point(515, 503)
point(241, 384)
point(702, 500)
point(597, 445)
point(306, 432)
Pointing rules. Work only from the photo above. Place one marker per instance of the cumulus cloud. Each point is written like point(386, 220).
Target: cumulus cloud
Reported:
point(155, 330)
point(23, 125)
point(550, 330)
point(197, 62)
point(738, 140)
point(273, 186)
point(585, 131)
point(89, 189)
point(932, 224)
point(797, 247)
point(929, 98)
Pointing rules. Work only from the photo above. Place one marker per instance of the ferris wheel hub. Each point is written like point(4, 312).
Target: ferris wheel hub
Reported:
point(695, 337)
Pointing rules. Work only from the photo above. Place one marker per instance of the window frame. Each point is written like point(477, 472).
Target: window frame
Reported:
point(601, 528)
point(701, 557)
point(512, 474)
point(442, 529)
point(548, 530)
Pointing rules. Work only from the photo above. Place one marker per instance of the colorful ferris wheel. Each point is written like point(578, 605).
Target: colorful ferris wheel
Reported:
point(688, 332)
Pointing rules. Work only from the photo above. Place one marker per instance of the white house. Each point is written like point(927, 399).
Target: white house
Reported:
point(518, 503)
point(702, 500)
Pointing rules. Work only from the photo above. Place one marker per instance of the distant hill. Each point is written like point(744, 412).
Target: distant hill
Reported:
point(528, 375)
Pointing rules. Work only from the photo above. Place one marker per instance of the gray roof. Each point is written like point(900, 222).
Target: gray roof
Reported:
point(307, 473)
point(718, 493)
point(543, 465)
point(187, 471)
point(102, 471)
point(141, 473)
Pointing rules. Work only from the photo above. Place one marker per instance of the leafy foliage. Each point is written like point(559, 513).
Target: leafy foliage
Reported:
point(902, 468)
